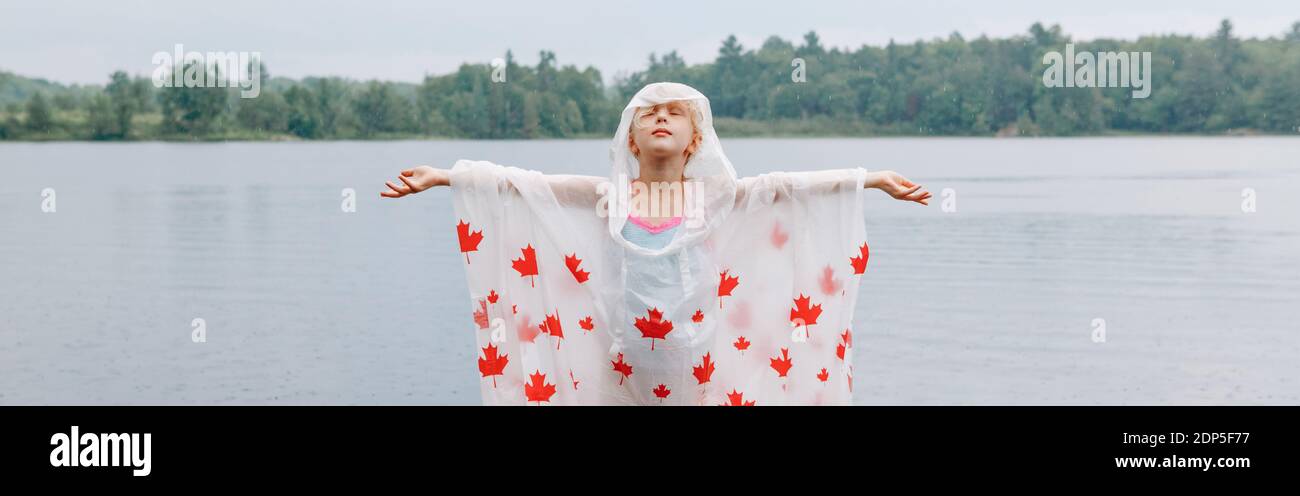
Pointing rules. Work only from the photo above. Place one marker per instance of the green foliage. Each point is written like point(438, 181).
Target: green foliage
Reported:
point(948, 86)
point(39, 116)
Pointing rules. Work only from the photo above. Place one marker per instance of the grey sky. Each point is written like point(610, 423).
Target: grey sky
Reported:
point(71, 41)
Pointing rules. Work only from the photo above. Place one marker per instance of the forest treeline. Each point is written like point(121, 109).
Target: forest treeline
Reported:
point(1215, 84)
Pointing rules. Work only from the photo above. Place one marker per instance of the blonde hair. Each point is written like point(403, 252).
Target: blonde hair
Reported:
point(692, 109)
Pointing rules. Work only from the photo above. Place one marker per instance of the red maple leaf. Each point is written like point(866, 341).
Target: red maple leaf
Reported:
point(823, 375)
point(662, 391)
point(514, 309)
point(846, 341)
point(828, 284)
point(653, 327)
point(698, 317)
point(726, 285)
point(802, 314)
point(782, 363)
point(537, 390)
point(741, 344)
point(622, 368)
point(859, 263)
point(480, 315)
point(493, 296)
point(586, 324)
point(704, 370)
point(779, 237)
point(491, 364)
point(468, 242)
point(551, 325)
point(527, 332)
point(737, 399)
point(527, 266)
point(572, 262)
point(574, 379)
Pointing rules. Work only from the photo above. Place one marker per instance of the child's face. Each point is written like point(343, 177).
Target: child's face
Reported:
point(662, 131)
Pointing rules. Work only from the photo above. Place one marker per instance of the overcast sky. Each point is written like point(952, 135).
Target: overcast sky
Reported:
point(402, 40)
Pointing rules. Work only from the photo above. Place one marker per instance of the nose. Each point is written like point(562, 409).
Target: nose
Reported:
point(661, 115)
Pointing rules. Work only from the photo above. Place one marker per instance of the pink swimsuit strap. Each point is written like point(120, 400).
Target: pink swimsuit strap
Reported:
point(652, 228)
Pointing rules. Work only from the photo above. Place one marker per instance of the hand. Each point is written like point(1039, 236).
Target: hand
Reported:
point(897, 186)
point(415, 180)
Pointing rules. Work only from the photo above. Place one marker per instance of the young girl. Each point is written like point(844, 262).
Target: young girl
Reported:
point(672, 282)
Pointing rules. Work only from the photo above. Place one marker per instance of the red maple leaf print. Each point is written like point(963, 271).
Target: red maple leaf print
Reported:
point(846, 341)
point(662, 391)
point(574, 379)
point(726, 285)
point(514, 309)
point(622, 368)
point(828, 283)
point(779, 237)
point(480, 315)
point(527, 332)
point(741, 344)
point(653, 326)
point(802, 314)
point(704, 370)
point(491, 364)
point(586, 324)
point(551, 325)
point(736, 399)
point(782, 363)
point(468, 242)
point(822, 376)
point(572, 262)
point(527, 266)
point(698, 317)
point(739, 316)
point(538, 390)
point(859, 263)
point(493, 296)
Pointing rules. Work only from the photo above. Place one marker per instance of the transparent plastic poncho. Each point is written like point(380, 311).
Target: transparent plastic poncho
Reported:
point(751, 303)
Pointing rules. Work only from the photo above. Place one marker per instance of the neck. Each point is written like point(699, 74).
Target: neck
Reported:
point(662, 169)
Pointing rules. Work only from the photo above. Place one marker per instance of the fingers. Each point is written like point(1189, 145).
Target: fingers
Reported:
point(408, 183)
point(903, 194)
point(408, 172)
point(918, 195)
point(401, 190)
point(391, 194)
point(922, 197)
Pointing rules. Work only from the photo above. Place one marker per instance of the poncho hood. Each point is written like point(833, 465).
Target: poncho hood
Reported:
point(710, 178)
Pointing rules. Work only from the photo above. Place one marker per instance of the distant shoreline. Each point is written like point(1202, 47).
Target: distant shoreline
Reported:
point(291, 139)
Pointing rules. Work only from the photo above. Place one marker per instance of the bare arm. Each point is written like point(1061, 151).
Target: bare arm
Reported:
point(780, 185)
point(569, 189)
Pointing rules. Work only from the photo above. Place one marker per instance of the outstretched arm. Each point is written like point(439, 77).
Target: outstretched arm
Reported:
point(415, 180)
point(897, 186)
point(569, 189)
point(777, 186)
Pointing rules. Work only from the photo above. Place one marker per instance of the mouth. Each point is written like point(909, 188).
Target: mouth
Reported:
point(661, 132)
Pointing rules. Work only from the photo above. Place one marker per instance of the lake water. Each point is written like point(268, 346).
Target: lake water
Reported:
point(994, 303)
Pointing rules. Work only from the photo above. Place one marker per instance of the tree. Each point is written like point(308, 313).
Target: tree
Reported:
point(39, 118)
point(103, 123)
point(126, 98)
point(268, 113)
point(381, 110)
point(196, 111)
point(303, 119)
